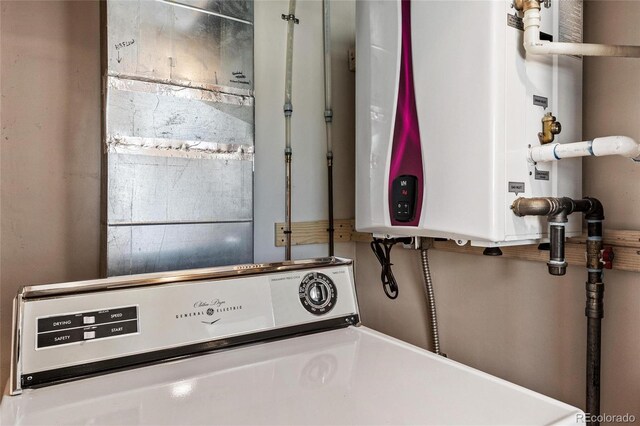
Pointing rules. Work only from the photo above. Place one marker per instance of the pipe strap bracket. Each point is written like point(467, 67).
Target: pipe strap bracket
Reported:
point(328, 115)
point(290, 17)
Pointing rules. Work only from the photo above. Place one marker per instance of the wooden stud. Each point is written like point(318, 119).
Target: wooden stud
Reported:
point(314, 232)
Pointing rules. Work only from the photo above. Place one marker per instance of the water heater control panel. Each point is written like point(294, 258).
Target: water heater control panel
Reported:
point(404, 197)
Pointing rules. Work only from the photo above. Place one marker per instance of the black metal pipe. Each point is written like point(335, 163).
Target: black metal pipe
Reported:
point(585, 205)
point(557, 264)
point(595, 211)
point(594, 309)
point(331, 228)
point(593, 369)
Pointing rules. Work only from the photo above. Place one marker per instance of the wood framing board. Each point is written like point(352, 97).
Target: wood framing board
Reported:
point(626, 258)
point(613, 237)
point(314, 232)
point(625, 244)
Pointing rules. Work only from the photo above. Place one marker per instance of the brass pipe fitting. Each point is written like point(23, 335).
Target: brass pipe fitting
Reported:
point(524, 5)
point(550, 128)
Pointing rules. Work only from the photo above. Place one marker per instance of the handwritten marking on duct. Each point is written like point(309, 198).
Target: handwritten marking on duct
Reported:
point(239, 78)
point(122, 45)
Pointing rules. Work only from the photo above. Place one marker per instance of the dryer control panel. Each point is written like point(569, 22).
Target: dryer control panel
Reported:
point(65, 331)
point(77, 327)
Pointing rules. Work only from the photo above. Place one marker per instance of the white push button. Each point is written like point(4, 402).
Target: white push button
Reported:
point(89, 320)
point(89, 335)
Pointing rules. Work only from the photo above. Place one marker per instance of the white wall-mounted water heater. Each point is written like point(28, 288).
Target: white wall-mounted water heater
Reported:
point(448, 105)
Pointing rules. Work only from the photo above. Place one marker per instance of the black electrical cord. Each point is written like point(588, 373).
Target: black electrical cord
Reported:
point(382, 249)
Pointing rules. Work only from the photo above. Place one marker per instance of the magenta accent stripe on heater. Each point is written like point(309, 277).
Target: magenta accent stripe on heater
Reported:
point(406, 152)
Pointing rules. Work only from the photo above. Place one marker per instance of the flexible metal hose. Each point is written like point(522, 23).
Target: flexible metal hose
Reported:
point(431, 301)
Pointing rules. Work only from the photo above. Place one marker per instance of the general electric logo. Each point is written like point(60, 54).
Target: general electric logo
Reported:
point(208, 308)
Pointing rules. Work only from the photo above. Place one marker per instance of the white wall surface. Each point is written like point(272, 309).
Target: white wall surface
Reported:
point(309, 182)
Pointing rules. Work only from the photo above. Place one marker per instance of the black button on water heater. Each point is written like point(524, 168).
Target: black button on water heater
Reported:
point(403, 197)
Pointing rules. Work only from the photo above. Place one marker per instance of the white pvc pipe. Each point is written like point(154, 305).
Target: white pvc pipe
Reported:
point(609, 145)
point(535, 46)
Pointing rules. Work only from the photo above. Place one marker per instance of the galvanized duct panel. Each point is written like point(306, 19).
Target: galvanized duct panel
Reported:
point(178, 135)
point(168, 247)
point(162, 111)
point(164, 42)
point(159, 189)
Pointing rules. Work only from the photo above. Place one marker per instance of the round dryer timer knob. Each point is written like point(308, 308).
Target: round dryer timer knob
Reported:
point(317, 293)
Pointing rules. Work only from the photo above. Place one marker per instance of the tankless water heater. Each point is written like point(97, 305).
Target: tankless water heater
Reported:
point(447, 107)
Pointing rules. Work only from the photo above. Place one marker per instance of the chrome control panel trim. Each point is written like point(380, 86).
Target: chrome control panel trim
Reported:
point(156, 278)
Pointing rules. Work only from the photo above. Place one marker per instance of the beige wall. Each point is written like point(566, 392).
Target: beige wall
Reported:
point(50, 147)
point(510, 318)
